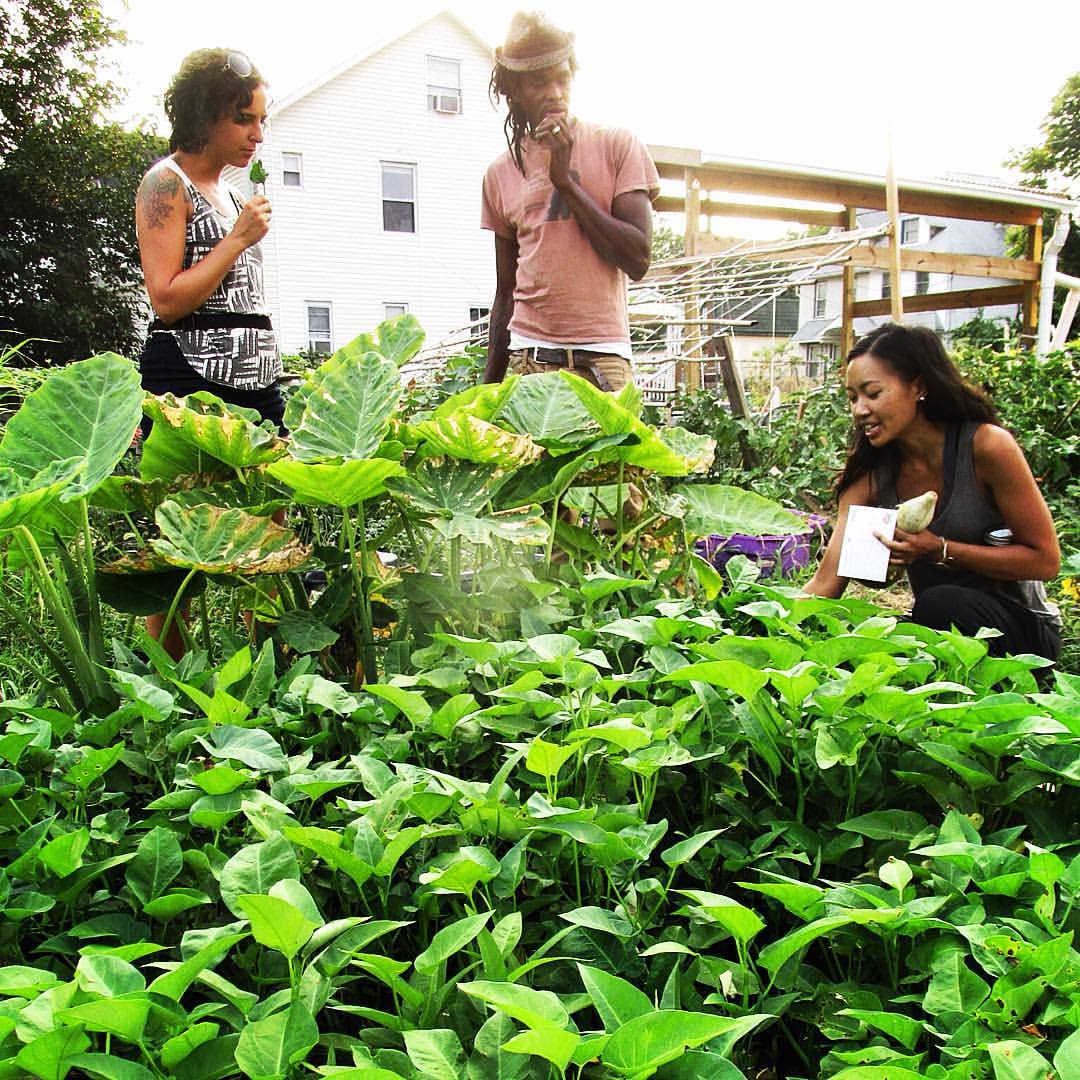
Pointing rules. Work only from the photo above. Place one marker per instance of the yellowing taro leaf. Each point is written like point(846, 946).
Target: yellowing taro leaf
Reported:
point(224, 432)
point(472, 439)
point(343, 484)
point(225, 541)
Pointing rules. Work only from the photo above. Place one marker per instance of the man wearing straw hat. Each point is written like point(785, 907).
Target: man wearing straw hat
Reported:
point(570, 206)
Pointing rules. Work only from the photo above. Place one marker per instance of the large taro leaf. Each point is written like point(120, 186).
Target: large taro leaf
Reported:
point(207, 426)
point(88, 411)
point(446, 486)
point(726, 510)
point(337, 483)
point(699, 450)
point(345, 407)
point(400, 338)
point(526, 526)
point(549, 477)
point(144, 592)
point(471, 439)
point(484, 400)
point(22, 501)
point(650, 451)
point(225, 541)
point(546, 407)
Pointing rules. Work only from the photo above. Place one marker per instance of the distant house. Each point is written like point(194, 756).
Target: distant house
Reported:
point(821, 300)
point(375, 175)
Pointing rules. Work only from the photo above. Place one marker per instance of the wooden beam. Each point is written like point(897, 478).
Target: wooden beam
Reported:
point(839, 191)
point(943, 301)
point(803, 215)
point(892, 202)
point(940, 262)
point(1029, 317)
point(847, 320)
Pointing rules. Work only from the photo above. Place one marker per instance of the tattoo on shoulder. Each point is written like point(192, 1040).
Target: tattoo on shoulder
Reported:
point(157, 196)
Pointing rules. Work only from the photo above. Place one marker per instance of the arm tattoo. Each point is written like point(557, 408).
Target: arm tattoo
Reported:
point(156, 195)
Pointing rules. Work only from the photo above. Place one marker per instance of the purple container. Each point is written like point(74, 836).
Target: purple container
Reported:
point(776, 555)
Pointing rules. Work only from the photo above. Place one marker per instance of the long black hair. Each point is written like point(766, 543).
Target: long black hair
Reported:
point(915, 354)
point(206, 88)
point(505, 83)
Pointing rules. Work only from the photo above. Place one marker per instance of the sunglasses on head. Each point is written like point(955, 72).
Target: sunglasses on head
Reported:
point(238, 64)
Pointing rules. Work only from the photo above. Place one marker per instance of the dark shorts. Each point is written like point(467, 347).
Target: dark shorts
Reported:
point(165, 371)
point(945, 606)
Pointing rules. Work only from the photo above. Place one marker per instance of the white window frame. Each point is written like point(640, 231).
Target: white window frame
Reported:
point(821, 298)
point(886, 286)
point(441, 96)
point(904, 224)
point(309, 306)
point(383, 199)
point(478, 312)
point(922, 282)
point(388, 304)
point(298, 171)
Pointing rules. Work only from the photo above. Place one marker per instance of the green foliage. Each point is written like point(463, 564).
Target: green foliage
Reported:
point(69, 268)
point(585, 819)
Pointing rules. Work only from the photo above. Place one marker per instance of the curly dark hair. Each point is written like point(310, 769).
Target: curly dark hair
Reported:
point(504, 83)
point(914, 353)
point(204, 90)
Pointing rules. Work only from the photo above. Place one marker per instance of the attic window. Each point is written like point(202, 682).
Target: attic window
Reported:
point(443, 85)
point(936, 230)
point(909, 230)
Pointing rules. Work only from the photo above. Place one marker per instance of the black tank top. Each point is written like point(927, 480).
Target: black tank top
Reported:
point(966, 515)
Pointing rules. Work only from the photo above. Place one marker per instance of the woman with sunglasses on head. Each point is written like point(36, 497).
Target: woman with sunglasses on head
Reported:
point(199, 242)
point(199, 246)
point(983, 558)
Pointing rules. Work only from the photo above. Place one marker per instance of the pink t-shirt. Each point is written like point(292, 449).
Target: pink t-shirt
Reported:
point(565, 292)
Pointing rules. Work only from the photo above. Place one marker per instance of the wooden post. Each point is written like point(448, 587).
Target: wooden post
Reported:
point(1029, 311)
point(892, 203)
point(847, 322)
point(735, 395)
point(688, 374)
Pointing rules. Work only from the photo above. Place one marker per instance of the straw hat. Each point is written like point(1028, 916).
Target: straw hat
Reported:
point(533, 43)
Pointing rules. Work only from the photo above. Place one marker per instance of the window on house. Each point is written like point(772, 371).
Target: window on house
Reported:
point(886, 287)
point(820, 299)
point(922, 282)
point(292, 170)
point(392, 311)
point(909, 231)
point(936, 230)
point(398, 197)
point(478, 323)
point(319, 330)
point(443, 85)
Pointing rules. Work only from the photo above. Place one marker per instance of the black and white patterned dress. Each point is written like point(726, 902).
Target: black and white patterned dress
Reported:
point(243, 357)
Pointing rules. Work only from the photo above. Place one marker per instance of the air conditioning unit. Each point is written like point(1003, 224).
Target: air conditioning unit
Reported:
point(448, 103)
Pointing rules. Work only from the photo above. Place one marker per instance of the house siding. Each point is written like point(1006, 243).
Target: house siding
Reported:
point(327, 243)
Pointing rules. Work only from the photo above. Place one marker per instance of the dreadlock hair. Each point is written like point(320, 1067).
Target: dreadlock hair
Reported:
point(913, 353)
point(505, 83)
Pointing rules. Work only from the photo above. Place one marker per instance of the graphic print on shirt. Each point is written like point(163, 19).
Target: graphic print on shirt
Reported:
point(243, 357)
point(558, 210)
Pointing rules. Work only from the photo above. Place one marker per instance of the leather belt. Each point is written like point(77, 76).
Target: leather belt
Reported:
point(571, 359)
point(215, 320)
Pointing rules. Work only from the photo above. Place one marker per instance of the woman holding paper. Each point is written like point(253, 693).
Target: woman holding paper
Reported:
point(991, 544)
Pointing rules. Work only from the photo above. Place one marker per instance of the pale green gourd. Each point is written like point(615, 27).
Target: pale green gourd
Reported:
point(915, 514)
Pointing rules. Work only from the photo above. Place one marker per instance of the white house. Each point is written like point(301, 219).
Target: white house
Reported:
point(375, 173)
point(821, 300)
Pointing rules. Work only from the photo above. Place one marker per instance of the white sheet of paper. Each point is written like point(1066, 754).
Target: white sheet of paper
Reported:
point(863, 555)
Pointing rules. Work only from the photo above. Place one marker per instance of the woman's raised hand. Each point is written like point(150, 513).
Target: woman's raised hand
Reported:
point(254, 221)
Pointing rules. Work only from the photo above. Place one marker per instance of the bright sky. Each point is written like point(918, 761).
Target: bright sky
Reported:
point(961, 82)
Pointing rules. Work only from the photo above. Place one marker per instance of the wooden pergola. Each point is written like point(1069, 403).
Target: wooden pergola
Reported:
point(715, 187)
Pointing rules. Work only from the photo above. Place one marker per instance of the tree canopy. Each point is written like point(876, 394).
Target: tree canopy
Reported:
point(69, 269)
